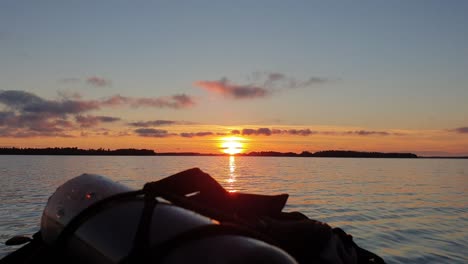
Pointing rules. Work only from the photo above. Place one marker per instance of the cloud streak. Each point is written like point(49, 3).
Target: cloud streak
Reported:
point(151, 132)
point(94, 81)
point(178, 101)
point(308, 132)
point(98, 81)
point(92, 121)
point(197, 134)
point(263, 84)
point(256, 132)
point(460, 130)
point(282, 81)
point(155, 123)
point(231, 90)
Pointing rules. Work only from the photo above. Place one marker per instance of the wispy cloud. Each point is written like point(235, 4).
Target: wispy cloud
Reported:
point(369, 133)
point(97, 81)
point(91, 121)
point(29, 134)
point(281, 81)
point(262, 84)
point(154, 123)
point(151, 132)
point(261, 131)
point(308, 132)
point(461, 130)
point(196, 134)
point(301, 132)
point(177, 101)
point(94, 81)
point(232, 90)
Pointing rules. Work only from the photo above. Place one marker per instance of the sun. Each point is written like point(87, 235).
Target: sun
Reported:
point(232, 145)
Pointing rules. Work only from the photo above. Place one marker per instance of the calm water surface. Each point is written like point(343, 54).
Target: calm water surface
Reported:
point(407, 211)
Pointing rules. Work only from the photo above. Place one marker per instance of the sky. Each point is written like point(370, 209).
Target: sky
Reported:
point(389, 76)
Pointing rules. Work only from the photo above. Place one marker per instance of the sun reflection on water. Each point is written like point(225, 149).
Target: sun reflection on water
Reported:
point(232, 174)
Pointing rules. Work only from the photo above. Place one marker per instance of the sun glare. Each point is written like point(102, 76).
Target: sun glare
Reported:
point(232, 145)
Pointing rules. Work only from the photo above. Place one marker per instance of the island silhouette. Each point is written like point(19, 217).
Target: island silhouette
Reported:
point(148, 152)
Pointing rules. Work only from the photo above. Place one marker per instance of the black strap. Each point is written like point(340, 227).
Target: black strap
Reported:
point(89, 212)
point(141, 242)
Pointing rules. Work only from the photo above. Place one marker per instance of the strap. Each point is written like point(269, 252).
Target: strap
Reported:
point(89, 212)
point(141, 242)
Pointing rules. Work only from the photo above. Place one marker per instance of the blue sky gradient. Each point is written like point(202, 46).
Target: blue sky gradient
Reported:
point(384, 64)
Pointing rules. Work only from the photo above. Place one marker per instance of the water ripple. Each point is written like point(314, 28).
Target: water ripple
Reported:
point(407, 211)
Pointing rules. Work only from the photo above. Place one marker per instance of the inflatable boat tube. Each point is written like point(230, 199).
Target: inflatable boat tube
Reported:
point(109, 233)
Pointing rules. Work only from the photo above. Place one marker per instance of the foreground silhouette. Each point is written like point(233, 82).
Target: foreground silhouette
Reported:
point(248, 216)
point(307, 240)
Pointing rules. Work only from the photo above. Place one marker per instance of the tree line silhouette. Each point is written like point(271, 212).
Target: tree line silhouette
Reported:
point(147, 152)
point(76, 151)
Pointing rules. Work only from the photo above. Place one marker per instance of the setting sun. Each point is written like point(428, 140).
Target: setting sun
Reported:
point(232, 145)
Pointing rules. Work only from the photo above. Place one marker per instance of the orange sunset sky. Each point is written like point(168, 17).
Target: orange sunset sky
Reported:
point(386, 76)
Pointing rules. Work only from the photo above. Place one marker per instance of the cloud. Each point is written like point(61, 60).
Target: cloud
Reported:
point(362, 133)
point(30, 103)
point(301, 132)
point(91, 121)
point(29, 134)
point(183, 100)
point(64, 95)
point(367, 133)
point(268, 132)
point(280, 81)
point(153, 123)
point(24, 112)
point(308, 132)
point(95, 81)
point(261, 131)
point(197, 134)
point(231, 90)
point(32, 125)
point(151, 132)
point(262, 85)
point(98, 81)
point(5, 117)
point(278, 131)
point(177, 101)
point(461, 130)
point(294, 84)
point(275, 76)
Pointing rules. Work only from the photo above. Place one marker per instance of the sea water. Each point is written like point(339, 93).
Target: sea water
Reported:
point(405, 210)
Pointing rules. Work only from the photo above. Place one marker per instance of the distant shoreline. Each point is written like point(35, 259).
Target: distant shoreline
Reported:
point(146, 152)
